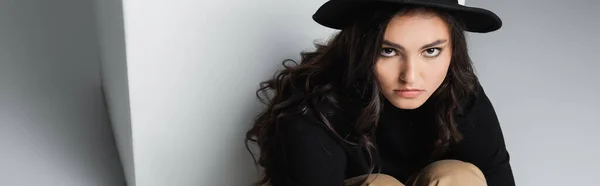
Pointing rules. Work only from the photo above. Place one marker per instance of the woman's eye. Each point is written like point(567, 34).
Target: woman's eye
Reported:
point(388, 52)
point(432, 52)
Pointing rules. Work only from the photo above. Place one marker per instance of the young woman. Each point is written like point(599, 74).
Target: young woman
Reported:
point(392, 99)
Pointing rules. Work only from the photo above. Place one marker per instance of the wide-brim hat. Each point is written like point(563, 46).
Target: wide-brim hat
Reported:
point(337, 14)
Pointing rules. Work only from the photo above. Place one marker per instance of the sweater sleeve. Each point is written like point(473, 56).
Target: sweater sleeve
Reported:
point(483, 143)
point(306, 154)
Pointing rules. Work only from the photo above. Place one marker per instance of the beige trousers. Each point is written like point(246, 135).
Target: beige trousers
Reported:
point(439, 173)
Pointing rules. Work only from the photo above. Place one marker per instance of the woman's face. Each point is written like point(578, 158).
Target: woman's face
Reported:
point(414, 59)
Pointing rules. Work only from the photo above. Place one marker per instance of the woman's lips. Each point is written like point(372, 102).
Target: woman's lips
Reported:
point(408, 93)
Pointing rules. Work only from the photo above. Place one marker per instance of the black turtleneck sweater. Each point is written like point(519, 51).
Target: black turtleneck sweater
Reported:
point(306, 153)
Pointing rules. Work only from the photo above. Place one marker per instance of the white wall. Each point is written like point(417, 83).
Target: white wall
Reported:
point(541, 72)
point(114, 78)
point(193, 69)
point(53, 124)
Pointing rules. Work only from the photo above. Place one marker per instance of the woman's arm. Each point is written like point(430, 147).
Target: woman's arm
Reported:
point(306, 154)
point(483, 142)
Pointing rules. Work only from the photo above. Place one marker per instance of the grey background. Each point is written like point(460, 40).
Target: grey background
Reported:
point(541, 73)
point(54, 128)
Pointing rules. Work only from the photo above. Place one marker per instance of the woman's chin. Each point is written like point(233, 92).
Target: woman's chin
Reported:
point(407, 104)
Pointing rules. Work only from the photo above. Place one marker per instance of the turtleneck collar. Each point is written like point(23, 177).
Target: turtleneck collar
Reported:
point(421, 113)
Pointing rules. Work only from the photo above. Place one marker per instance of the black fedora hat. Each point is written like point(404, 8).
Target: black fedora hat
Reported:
point(337, 14)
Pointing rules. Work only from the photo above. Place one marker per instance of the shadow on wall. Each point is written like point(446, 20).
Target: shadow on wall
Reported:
point(273, 35)
point(54, 128)
point(113, 63)
point(281, 39)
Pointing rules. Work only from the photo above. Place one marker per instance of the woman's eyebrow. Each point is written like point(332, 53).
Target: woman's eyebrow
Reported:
point(400, 47)
point(397, 46)
point(435, 43)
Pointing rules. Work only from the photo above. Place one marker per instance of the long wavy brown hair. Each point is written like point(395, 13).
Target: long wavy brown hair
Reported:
point(341, 72)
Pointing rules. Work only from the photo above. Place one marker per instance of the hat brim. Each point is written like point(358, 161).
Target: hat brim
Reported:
point(337, 14)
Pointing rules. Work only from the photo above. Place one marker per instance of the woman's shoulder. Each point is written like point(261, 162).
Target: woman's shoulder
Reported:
point(474, 101)
point(324, 111)
point(304, 123)
point(477, 112)
point(306, 153)
point(319, 121)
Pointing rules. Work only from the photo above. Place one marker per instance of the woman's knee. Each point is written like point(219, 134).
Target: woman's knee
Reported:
point(375, 180)
point(450, 173)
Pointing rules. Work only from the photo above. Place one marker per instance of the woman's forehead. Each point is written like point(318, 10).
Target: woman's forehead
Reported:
point(416, 29)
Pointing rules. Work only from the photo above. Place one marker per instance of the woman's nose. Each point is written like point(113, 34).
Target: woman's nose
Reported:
point(409, 71)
